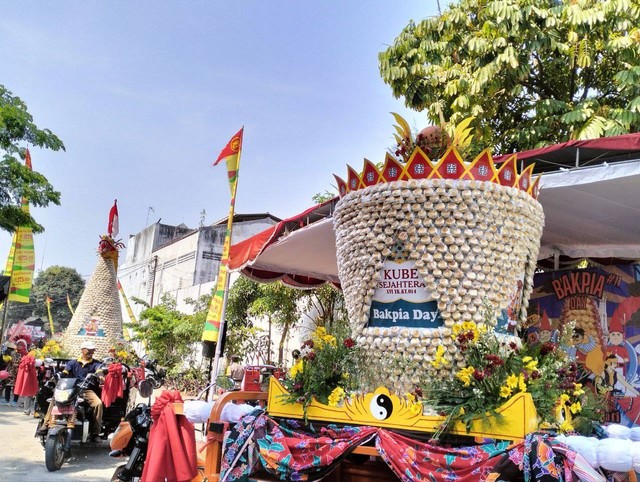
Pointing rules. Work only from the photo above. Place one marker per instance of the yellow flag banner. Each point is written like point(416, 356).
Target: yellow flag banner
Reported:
point(23, 265)
point(231, 155)
point(69, 305)
point(23, 262)
point(132, 316)
point(48, 300)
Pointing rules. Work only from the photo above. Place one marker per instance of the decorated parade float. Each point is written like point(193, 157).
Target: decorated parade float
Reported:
point(436, 257)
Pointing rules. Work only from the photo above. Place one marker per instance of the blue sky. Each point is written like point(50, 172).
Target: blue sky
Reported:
point(145, 95)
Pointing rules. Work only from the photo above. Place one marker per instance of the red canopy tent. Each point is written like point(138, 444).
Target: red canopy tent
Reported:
point(590, 193)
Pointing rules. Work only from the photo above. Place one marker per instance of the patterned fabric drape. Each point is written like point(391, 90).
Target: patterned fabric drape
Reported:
point(287, 451)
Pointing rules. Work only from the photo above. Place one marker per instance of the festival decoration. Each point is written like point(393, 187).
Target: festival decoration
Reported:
point(422, 244)
point(98, 316)
point(21, 262)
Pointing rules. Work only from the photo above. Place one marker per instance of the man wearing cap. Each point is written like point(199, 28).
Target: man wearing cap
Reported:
point(80, 368)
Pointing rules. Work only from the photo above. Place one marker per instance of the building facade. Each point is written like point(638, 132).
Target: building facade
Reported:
point(179, 261)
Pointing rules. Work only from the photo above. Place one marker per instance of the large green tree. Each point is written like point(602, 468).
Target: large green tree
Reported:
point(56, 282)
point(16, 180)
point(533, 72)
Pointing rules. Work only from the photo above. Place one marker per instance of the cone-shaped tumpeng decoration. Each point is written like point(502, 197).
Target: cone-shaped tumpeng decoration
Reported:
point(98, 317)
point(424, 246)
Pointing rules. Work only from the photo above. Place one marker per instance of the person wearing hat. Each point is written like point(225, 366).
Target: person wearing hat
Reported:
point(80, 368)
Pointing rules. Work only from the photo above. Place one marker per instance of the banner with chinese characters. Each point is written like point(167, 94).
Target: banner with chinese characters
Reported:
point(599, 309)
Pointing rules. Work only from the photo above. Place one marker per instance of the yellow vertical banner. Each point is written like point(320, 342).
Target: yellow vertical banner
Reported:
point(23, 256)
point(48, 301)
point(132, 317)
point(215, 316)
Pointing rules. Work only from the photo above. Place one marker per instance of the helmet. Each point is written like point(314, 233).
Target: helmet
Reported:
point(89, 345)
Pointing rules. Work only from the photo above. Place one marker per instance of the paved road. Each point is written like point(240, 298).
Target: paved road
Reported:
point(22, 455)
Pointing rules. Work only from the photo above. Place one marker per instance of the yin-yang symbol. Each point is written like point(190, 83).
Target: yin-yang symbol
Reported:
point(381, 407)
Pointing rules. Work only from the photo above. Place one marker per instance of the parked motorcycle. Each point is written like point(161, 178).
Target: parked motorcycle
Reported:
point(152, 372)
point(131, 439)
point(71, 417)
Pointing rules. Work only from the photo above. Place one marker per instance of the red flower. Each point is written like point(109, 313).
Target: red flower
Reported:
point(547, 348)
point(349, 343)
point(310, 356)
point(478, 375)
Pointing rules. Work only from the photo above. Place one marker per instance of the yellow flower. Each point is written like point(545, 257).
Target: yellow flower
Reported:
point(532, 365)
point(462, 411)
point(411, 398)
point(522, 385)
point(512, 381)
point(330, 340)
point(526, 359)
point(566, 426)
point(464, 375)
point(336, 396)
point(297, 368)
point(564, 398)
point(575, 407)
point(439, 358)
point(345, 376)
point(577, 390)
point(505, 391)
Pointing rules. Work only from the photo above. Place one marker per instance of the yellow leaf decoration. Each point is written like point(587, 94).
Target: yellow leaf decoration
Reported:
point(403, 126)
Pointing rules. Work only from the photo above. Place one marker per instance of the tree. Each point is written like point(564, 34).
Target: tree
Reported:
point(533, 72)
point(56, 282)
point(169, 334)
point(16, 180)
point(279, 304)
point(239, 329)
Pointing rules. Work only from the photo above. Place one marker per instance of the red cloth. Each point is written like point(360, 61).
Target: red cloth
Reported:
point(27, 379)
point(113, 384)
point(171, 455)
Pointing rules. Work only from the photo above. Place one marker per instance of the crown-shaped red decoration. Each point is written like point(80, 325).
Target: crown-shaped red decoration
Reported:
point(449, 166)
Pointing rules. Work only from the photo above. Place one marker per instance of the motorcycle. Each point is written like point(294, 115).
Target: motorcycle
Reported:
point(152, 372)
point(131, 438)
point(71, 417)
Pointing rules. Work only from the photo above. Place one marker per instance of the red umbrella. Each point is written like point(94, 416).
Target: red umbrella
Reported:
point(171, 455)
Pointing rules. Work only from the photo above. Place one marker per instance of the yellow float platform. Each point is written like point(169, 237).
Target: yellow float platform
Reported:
point(383, 409)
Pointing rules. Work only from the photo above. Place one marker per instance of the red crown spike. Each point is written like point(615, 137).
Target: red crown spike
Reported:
point(418, 166)
point(534, 190)
point(342, 186)
point(392, 169)
point(353, 179)
point(370, 175)
point(482, 167)
point(451, 165)
point(508, 172)
point(524, 181)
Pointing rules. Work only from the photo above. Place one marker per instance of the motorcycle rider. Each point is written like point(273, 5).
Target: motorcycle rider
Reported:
point(80, 368)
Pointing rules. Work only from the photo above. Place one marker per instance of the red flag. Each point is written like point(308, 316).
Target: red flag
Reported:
point(27, 159)
point(113, 228)
point(232, 148)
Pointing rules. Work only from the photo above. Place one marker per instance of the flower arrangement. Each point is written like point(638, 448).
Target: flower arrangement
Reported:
point(495, 369)
point(121, 353)
point(51, 349)
point(330, 366)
